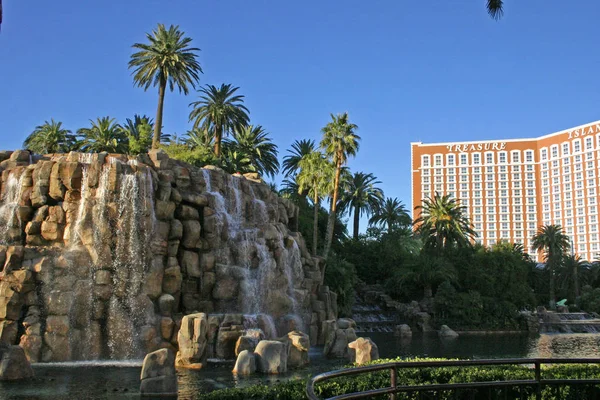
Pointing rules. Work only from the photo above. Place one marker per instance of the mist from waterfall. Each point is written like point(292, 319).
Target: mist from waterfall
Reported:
point(9, 216)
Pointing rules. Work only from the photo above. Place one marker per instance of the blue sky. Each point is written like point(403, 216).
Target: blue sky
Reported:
point(405, 71)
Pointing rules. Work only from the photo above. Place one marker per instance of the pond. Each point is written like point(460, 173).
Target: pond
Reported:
point(120, 380)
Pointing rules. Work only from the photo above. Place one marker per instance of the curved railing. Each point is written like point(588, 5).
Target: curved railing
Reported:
point(538, 383)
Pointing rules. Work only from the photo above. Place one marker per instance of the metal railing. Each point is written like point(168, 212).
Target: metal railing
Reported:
point(538, 383)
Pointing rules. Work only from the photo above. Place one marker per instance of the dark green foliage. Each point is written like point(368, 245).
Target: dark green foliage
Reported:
point(50, 137)
point(340, 276)
point(590, 299)
point(305, 225)
point(295, 390)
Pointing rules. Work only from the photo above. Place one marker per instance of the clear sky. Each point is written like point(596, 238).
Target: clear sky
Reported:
point(428, 70)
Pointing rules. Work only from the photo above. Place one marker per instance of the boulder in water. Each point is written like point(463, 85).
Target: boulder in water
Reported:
point(13, 364)
point(403, 331)
point(299, 345)
point(446, 333)
point(159, 377)
point(192, 339)
point(271, 357)
point(363, 350)
point(245, 363)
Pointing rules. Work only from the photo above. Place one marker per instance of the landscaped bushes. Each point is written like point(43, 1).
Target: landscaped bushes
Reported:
point(421, 376)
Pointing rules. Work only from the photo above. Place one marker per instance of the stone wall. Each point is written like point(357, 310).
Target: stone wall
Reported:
point(103, 254)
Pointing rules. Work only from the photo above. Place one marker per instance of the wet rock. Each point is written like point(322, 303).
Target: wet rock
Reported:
point(446, 333)
point(271, 357)
point(192, 340)
point(245, 364)
point(363, 350)
point(159, 377)
point(13, 364)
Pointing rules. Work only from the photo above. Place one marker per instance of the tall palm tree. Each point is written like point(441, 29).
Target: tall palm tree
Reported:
point(571, 273)
point(299, 149)
point(442, 223)
point(219, 110)
point(339, 142)
point(428, 270)
point(254, 142)
point(391, 214)
point(104, 135)
point(315, 177)
point(361, 196)
point(555, 244)
point(50, 137)
point(169, 60)
point(495, 8)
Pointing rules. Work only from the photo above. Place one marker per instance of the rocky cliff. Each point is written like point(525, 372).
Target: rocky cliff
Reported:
point(102, 255)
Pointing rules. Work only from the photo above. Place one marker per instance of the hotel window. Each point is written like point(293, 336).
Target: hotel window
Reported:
point(489, 158)
point(502, 157)
point(451, 186)
point(451, 179)
point(557, 214)
point(593, 210)
point(463, 159)
point(589, 143)
point(568, 213)
point(590, 173)
point(582, 247)
point(491, 226)
point(425, 179)
point(438, 171)
point(568, 196)
point(477, 193)
point(464, 186)
point(518, 234)
point(517, 193)
point(477, 186)
point(516, 184)
point(555, 180)
point(503, 185)
point(530, 192)
point(489, 170)
point(566, 170)
point(504, 234)
point(504, 209)
point(453, 194)
point(545, 174)
point(478, 227)
point(592, 192)
point(530, 176)
point(491, 193)
point(425, 161)
point(567, 186)
point(451, 171)
point(580, 221)
point(489, 177)
point(529, 156)
point(557, 205)
point(504, 217)
point(476, 158)
point(580, 203)
point(516, 177)
point(477, 202)
point(438, 160)
point(593, 228)
point(439, 179)
point(503, 177)
point(464, 195)
point(426, 172)
point(544, 154)
point(516, 157)
point(565, 149)
point(464, 170)
point(577, 159)
point(579, 193)
point(464, 178)
point(593, 236)
point(476, 178)
point(477, 170)
point(450, 159)
point(426, 187)
point(554, 150)
point(589, 156)
point(591, 182)
point(503, 195)
point(545, 166)
point(490, 185)
point(576, 145)
point(491, 210)
point(516, 168)
point(568, 204)
point(477, 210)
point(490, 202)
point(589, 165)
point(518, 217)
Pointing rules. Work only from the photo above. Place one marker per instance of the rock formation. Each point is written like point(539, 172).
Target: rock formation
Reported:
point(102, 255)
point(159, 377)
point(363, 350)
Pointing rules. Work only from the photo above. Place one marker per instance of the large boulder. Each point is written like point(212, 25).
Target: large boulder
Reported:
point(192, 339)
point(159, 377)
point(403, 331)
point(13, 364)
point(446, 333)
point(271, 357)
point(299, 345)
point(245, 363)
point(249, 340)
point(363, 350)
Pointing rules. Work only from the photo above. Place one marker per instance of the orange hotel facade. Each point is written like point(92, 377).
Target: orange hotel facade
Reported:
point(511, 187)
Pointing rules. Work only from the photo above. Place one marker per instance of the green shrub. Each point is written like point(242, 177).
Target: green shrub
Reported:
point(295, 390)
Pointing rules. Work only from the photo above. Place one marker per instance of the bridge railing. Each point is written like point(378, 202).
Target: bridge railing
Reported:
point(537, 383)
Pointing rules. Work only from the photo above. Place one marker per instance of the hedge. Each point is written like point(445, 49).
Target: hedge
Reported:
point(295, 390)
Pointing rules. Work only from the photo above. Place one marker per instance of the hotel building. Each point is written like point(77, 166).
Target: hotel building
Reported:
point(511, 187)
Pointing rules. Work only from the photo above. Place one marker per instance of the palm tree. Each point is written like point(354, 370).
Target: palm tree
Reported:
point(219, 110)
point(554, 243)
point(167, 59)
point(254, 143)
point(391, 214)
point(442, 223)
point(315, 178)
point(429, 270)
point(104, 135)
point(361, 196)
point(139, 133)
point(299, 149)
point(200, 137)
point(235, 161)
point(50, 138)
point(339, 142)
point(495, 9)
point(572, 273)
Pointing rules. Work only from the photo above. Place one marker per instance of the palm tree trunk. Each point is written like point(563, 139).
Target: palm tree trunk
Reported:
point(218, 135)
point(552, 302)
point(316, 205)
point(159, 113)
point(356, 222)
point(576, 279)
point(331, 219)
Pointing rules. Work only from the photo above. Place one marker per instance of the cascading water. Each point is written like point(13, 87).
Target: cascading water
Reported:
point(253, 256)
point(9, 217)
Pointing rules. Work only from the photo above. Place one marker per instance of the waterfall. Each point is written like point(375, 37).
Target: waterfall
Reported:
point(9, 216)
